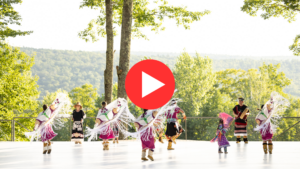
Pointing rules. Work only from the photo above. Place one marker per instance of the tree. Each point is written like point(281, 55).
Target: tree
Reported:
point(292, 134)
point(194, 77)
point(108, 73)
point(255, 85)
point(86, 95)
point(142, 17)
point(18, 88)
point(109, 32)
point(124, 60)
point(288, 9)
point(9, 16)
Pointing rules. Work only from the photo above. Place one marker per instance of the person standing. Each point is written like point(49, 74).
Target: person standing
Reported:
point(77, 130)
point(240, 113)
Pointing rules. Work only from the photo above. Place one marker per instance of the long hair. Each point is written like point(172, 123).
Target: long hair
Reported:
point(221, 121)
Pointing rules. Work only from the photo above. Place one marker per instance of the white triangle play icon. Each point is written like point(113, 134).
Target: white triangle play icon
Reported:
point(149, 84)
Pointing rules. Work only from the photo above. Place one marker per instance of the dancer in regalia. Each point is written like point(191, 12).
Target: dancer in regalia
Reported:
point(116, 134)
point(241, 112)
point(223, 127)
point(109, 134)
point(77, 130)
point(46, 138)
point(116, 113)
point(148, 135)
point(268, 117)
point(172, 122)
point(46, 119)
point(146, 124)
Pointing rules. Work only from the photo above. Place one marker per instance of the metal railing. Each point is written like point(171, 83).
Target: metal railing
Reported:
point(196, 128)
point(7, 121)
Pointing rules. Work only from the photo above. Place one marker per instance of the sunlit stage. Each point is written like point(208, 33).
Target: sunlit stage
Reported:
point(127, 154)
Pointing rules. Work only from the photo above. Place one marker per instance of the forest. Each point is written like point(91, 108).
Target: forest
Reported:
point(62, 69)
point(214, 86)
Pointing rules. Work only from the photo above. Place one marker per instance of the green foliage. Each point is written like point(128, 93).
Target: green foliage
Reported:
point(9, 16)
point(288, 9)
point(295, 47)
point(205, 92)
point(293, 133)
point(87, 96)
point(50, 97)
point(254, 85)
point(143, 16)
point(194, 77)
point(69, 69)
point(272, 8)
point(18, 88)
point(59, 69)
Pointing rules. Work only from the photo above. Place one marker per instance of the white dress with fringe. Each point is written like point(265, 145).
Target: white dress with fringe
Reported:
point(121, 118)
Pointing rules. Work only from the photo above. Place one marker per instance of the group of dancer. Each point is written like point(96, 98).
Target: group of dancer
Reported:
point(267, 120)
point(116, 117)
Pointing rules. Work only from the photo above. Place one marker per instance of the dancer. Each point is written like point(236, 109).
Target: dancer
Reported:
point(147, 136)
point(46, 138)
point(146, 124)
point(268, 117)
point(241, 112)
point(223, 127)
point(116, 113)
point(45, 120)
point(172, 122)
point(77, 130)
point(109, 134)
point(116, 134)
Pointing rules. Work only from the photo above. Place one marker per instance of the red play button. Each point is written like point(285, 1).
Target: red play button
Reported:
point(150, 84)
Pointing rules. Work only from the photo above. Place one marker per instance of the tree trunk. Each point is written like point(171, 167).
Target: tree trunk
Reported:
point(123, 68)
point(108, 72)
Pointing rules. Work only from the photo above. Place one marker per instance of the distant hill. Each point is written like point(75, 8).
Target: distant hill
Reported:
point(68, 69)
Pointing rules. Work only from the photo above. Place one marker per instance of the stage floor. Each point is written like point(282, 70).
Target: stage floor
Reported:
point(127, 155)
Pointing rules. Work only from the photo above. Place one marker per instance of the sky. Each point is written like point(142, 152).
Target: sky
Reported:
point(226, 30)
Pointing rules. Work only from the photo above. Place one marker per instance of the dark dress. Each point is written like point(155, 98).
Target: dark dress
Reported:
point(172, 122)
point(77, 129)
point(240, 128)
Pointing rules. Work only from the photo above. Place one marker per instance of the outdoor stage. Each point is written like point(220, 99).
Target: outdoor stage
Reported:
point(127, 155)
